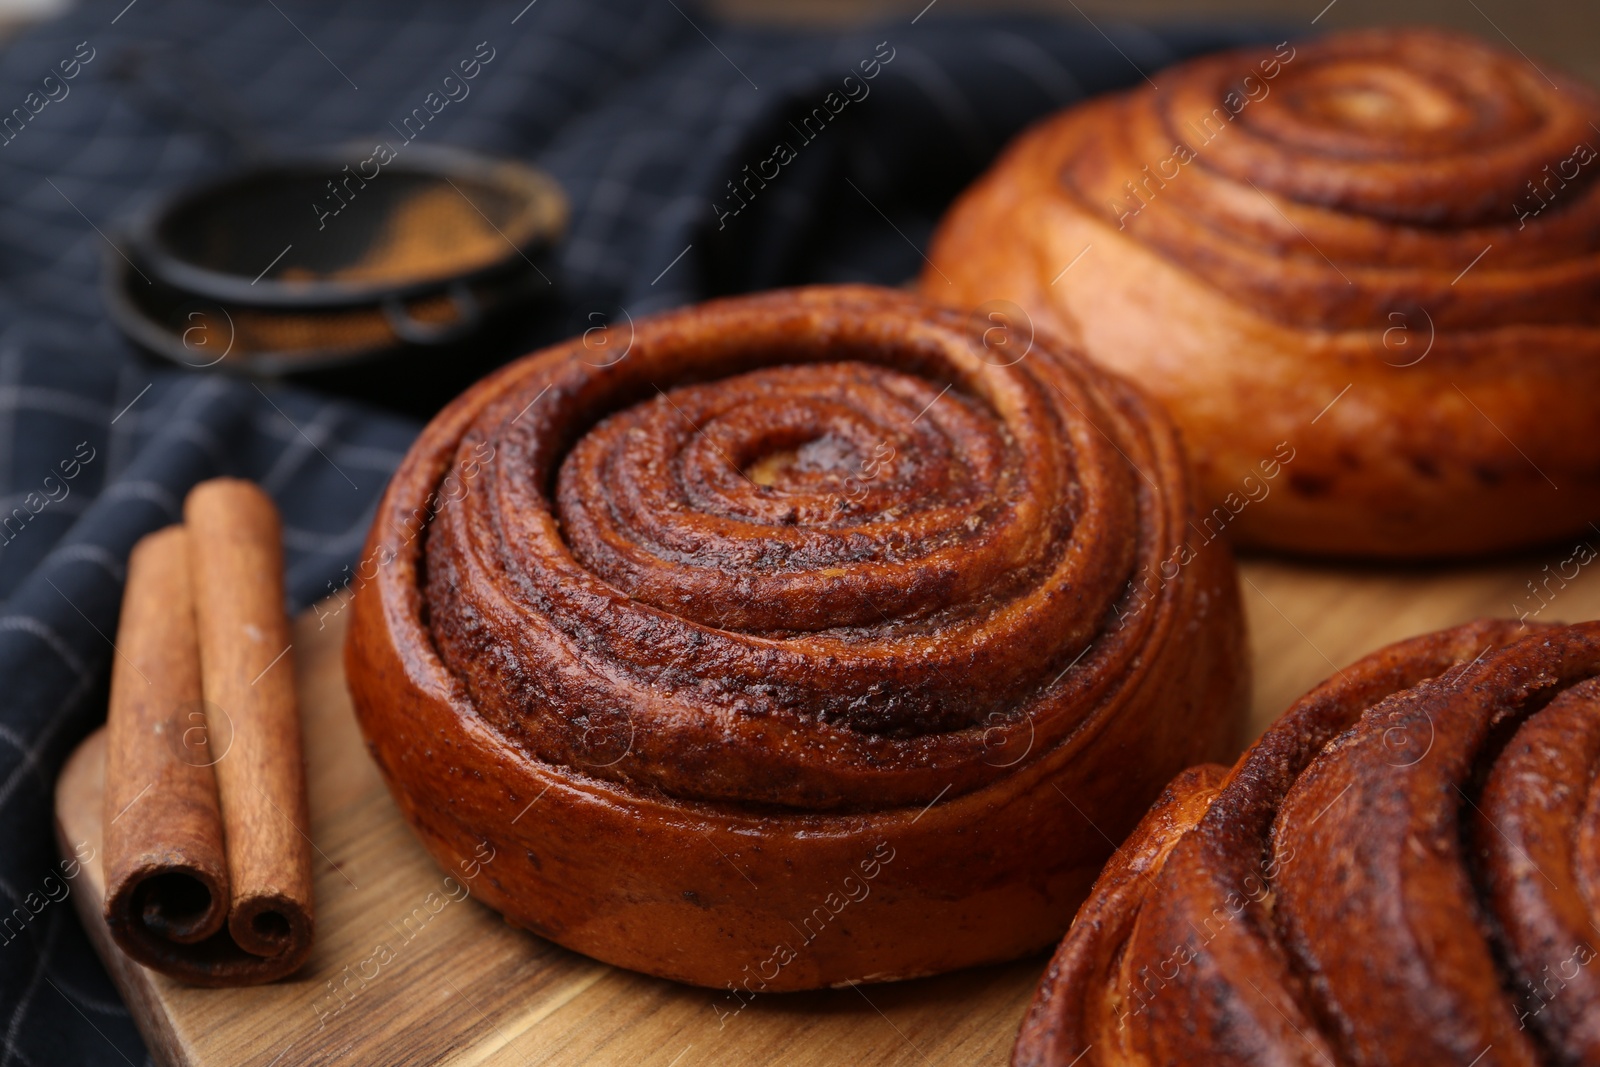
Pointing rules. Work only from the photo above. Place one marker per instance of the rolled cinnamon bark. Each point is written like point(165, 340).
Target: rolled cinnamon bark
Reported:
point(247, 672)
point(166, 874)
point(176, 894)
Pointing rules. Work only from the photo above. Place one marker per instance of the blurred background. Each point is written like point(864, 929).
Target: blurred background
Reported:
point(1562, 31)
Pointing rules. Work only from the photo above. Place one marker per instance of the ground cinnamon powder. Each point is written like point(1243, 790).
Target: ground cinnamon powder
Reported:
point(436, 232)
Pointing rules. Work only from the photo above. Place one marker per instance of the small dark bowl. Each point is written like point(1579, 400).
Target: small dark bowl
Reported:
point(336, 259)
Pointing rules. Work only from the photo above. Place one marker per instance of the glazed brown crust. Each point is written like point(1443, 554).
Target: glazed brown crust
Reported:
point(1396, 873)
point(803, 575)
point(1278, 224)
point(1537, 828)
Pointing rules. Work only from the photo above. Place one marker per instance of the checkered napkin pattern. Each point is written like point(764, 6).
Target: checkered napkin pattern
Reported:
point(645, 110)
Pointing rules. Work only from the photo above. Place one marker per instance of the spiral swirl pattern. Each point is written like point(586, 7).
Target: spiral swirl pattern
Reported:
point(1403, 870)
point(804, 569)
point(1405, 220)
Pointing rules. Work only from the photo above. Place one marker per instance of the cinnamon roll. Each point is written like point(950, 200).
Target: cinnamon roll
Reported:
point(791, 640)
point(1382, 247)
point(1405, 869)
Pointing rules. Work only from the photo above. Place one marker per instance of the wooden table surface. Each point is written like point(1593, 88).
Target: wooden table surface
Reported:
point(429, 979)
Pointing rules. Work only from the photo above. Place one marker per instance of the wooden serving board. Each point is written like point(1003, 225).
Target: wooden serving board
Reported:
point(431, 979)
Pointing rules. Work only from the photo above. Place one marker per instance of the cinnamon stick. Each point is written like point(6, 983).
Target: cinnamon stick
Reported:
point(247, 672)
point(176, 894)
point(166, 874)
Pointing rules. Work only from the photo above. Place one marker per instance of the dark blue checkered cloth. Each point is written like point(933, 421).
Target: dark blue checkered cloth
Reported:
point(646, 110)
